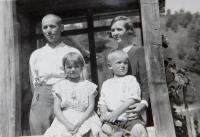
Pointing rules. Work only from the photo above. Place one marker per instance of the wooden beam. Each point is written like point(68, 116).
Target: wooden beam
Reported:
point(83, 31)
point(91, 39)
point(9, 71)
point(160, 104)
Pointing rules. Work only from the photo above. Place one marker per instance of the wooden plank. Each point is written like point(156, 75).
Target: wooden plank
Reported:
point(9, 71)
point(44, 6)
point(83, 31)
point(150, 130)
point(18, 83)
point(91, 39)
point(160, 104)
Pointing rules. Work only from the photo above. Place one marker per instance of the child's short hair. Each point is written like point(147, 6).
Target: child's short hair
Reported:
point(128, 24)
point(73, 56)
point(115, 53)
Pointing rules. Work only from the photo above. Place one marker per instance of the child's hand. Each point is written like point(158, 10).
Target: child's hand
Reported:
point(103, 117)
point(69, 127)
point(112, 117)
point(65, 104)
point(76, 128)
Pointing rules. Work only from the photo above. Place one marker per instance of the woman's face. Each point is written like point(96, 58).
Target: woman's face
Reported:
point(118, 31)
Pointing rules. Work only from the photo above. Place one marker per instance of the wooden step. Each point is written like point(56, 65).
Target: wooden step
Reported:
point(151, 132)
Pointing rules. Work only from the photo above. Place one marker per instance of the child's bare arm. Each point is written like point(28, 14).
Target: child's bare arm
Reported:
point(86, 115)
point(121, 109)
point(90, 108)
point(59, 114)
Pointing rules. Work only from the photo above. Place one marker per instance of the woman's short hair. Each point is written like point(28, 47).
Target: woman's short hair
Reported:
point(76, 57)
point(128, 24)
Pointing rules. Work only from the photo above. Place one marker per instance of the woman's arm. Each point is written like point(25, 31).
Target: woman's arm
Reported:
point(121, 109)
point(138, 67)
point(59, 114)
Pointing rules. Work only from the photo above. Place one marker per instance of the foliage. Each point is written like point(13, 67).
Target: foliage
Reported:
point(180, 18)
point(188, 48)
point(177, 86)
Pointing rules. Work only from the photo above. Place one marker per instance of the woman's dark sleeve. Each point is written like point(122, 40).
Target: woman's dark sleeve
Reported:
point(138, 69)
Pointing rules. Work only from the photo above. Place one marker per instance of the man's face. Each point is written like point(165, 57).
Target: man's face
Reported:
point(51, 29)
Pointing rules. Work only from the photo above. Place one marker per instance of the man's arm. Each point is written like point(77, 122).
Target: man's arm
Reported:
point(31, 80)
point(31, 72)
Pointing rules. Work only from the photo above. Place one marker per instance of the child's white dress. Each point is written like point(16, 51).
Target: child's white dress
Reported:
point(77, 97)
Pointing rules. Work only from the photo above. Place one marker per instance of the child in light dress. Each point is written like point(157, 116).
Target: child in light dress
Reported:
point(77, 97)
point(117, 95)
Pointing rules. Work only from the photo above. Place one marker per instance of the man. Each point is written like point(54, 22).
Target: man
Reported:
point(45, 70)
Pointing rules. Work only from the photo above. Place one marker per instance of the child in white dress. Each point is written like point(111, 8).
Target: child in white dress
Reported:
point(77, 97)
point(117, 94)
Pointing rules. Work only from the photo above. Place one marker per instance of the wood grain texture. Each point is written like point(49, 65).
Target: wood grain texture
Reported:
point(9, 71)
point(161, 110)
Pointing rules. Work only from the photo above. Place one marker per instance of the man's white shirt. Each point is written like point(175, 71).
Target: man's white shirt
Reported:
point(48, 60)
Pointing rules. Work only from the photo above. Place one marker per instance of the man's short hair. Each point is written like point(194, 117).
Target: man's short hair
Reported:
point(59, 19)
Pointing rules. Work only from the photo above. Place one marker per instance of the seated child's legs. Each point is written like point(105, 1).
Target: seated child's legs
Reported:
point(139, 130)
point(102, 134)
point(107, 129)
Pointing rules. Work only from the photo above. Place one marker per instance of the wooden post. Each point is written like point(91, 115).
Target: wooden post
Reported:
point(9, 71)
point(90, 22)
point(160, 104)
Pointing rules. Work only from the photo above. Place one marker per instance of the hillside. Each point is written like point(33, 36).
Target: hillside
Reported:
point(173, 51)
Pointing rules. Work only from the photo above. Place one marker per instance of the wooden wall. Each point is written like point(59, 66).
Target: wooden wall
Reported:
point(9, 71)
point(27, 46)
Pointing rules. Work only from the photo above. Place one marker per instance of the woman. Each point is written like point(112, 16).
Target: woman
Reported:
point(122, 31)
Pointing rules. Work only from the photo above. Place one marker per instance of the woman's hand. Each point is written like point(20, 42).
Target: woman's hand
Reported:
point(136, 108)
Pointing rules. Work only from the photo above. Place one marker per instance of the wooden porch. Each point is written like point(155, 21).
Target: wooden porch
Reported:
point(20, 20)
point(150, 130)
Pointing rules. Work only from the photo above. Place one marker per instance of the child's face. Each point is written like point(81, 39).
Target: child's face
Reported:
point(119, 65)
point(73, 70)
point(118, 31)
